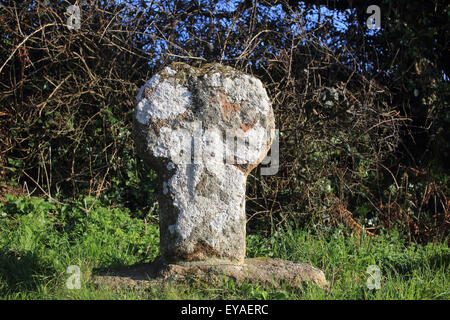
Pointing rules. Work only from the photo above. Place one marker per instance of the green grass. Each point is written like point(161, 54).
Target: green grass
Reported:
point(39, 240)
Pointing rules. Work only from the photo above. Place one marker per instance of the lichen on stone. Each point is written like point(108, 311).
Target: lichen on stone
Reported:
point(183, 118)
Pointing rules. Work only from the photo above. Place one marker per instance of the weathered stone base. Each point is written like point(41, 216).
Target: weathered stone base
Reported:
point(265, 271)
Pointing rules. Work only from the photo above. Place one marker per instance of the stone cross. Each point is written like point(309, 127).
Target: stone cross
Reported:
point(204, 130)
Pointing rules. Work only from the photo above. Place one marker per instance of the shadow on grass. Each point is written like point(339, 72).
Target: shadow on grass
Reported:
point(405, 265)
point(141, 270)
point(21, 272)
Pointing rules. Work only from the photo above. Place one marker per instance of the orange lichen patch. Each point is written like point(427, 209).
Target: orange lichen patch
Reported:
point(227, 107)
point(245, 127)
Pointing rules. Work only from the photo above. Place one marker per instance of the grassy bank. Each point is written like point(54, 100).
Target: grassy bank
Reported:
point(39, 240)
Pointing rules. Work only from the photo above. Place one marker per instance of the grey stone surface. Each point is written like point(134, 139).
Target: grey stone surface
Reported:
point(265, 271)
point(203, 130)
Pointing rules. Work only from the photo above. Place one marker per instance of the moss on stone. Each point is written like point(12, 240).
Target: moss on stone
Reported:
point(182, 69)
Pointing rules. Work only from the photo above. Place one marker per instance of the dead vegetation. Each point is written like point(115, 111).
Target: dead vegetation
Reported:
point(67, 98)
